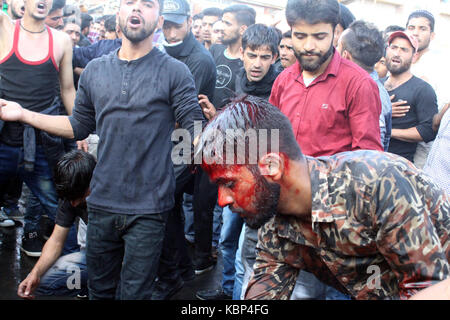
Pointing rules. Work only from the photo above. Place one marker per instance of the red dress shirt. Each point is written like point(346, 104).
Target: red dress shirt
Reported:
point(339, 111)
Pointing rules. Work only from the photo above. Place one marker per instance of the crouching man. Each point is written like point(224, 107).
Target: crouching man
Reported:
point(368, 223)
point(66, 275)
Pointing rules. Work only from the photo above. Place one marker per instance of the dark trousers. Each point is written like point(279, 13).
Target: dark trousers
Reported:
point(205, 198)
point(175, 257)
point(123, 250)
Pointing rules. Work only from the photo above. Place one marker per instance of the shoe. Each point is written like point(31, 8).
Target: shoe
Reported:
point(31, 245)
point(165, 290)
point(204, 267)
point(13, 213)
point(4, 220)
point(217, 294)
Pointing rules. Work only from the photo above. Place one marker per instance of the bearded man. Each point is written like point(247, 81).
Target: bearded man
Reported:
point(132, 98)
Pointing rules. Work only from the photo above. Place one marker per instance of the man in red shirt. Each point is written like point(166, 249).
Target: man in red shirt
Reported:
point(333, 105)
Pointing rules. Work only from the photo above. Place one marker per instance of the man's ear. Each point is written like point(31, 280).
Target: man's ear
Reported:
point(160, 22)
point(271, 165)
point(242, 29)
point(241, 51)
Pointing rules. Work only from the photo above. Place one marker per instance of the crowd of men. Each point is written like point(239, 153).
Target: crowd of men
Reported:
point(348, 200)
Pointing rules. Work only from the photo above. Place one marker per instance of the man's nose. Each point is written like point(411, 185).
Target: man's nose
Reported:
point(224, 197)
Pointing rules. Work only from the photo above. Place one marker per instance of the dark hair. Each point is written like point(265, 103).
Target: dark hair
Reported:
point(287, 34)
point(86, 20)
point(390, 29)
point(313, 11)
point(71, 20)
point(241, 114)
point(73, 173)
point(279, 33)
point(422, 14)
point(346, 17)
point(198, 16)
point(243, 14)
point(216, 12)
point(364, 42)
point(260, 35)
point(110, 23)
point(57, 4)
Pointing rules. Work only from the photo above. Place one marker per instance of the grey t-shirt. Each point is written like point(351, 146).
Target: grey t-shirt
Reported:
point(133, 107)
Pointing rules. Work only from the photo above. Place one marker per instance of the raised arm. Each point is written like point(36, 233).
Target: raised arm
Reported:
point(56, 125)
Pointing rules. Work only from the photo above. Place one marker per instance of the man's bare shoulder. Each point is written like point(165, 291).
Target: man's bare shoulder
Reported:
point(6, 22)
point(61, 37)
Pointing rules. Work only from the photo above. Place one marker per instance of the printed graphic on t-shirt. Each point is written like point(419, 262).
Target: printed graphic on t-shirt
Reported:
point(224, 76)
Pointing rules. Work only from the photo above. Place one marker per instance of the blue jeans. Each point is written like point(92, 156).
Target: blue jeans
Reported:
point(229, 240)
point(240, 270)
point(39, 181)
point(123, 251)
point(67, 277)
point(32, 219)
point(308, 287)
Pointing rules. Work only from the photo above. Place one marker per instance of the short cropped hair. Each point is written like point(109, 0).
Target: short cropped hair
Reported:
point(110, 23)
point(422, 14)
point(243, 14)
point(364, 42)
point(241, 114)
point(260, 35)
point(57, 4)
point(346, 17)
point(313, 12)
point(198, 16)
point(216, 12)
point(287, 34)
point(73, 173)
point(86, 20)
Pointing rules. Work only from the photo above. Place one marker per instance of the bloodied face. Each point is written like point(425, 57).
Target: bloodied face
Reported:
point(246, 191)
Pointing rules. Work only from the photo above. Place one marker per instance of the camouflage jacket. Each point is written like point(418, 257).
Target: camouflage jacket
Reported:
point(379, 230)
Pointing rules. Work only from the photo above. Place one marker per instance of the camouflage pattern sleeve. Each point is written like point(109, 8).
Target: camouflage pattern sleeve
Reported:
point(276, 267)
point(406, 236)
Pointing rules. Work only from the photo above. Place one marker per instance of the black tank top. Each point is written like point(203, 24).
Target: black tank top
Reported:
point(30, 83)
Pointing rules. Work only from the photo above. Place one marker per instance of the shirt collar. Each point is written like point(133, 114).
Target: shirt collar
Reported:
point(332, 69)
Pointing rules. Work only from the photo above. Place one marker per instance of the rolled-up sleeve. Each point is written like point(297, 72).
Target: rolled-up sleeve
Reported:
point(426, 109)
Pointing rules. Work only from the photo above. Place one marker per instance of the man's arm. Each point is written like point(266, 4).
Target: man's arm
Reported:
point(68, 92)
point(408, 135)
point(364, 117)
point(273, 278)
point(50, 253)
point(407, 237)
point(56, 125)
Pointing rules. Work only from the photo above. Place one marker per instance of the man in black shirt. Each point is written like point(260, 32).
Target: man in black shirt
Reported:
point(236, 18)
point(66, 275)
point(416, 125)
point(175, 264)
point(132, 98)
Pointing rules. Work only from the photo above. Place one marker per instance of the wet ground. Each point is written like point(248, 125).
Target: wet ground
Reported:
point(15, 265)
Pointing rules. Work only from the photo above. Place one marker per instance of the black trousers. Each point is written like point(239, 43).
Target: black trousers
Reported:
point(175, 257)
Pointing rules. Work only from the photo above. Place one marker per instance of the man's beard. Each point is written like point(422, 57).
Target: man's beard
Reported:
point(227, 42)
point(403, 67)
point(138, 35)
point(15, 15)
point(267, 197)
point(312, 66)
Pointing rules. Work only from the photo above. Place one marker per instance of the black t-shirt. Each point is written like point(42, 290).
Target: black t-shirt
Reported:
point(226, 75)
point(66, 214)
point(423, 106)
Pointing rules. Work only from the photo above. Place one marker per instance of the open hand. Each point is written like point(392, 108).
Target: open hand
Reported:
point(208, 108)
point(399, 108)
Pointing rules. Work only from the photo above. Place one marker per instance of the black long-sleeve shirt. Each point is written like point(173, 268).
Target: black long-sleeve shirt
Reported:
point(133, 106)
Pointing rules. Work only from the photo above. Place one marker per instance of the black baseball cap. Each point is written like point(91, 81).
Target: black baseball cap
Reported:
point(176, 11)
